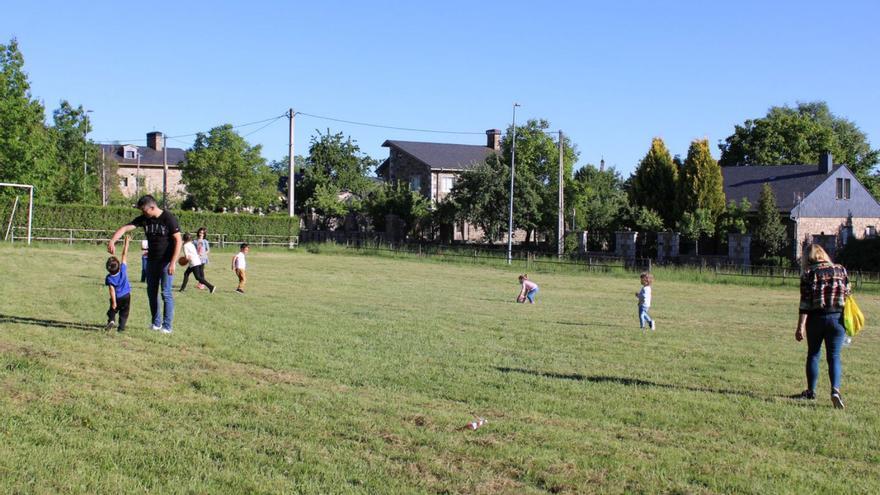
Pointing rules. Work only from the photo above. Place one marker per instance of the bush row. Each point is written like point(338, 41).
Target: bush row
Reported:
point(234, 225)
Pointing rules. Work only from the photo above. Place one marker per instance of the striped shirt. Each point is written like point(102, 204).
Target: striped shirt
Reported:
point(824, 288)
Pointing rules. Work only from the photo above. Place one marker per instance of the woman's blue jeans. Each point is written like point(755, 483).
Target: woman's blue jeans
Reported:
point(826, 327)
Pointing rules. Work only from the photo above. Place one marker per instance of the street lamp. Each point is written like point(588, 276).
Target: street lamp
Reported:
point(85, 150)
point(512, 171)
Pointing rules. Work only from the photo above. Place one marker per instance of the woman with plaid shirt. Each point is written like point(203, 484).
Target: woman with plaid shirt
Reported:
point(824, 286)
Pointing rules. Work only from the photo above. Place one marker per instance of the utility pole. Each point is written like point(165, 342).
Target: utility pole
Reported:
point(164, 173)
point(560, 233)
point(137, 177)
point(291, 180)
point(512, 173)
point(103, 178)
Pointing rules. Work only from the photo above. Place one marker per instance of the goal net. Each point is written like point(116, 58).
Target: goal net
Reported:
point(9, 229)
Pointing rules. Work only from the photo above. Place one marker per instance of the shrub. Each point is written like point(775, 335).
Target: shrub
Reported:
point(110, 218)
point(861, 254)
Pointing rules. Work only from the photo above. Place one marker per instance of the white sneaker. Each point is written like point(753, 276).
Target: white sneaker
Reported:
point(166, 331)
point(653, 325)
point(155, 328)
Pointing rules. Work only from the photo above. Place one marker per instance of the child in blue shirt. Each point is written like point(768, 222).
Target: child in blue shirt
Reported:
point(120, 289)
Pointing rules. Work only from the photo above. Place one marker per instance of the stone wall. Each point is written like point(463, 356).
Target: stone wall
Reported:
point(403, 168)
point(151, 181)
point(806, 228)
point(667, 245)
point(626, 244)
point(739, 248)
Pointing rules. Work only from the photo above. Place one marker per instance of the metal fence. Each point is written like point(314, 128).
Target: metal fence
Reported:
point(71, 236)
point(596, 262)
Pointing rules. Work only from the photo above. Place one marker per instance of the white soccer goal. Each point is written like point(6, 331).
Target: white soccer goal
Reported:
point(30, 189)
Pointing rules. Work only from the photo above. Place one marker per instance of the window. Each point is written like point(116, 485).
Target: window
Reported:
point(415, 183)
point(871, 231)
point(446, 184)
point(123, 182)
point(129, 154)
point(844, 188)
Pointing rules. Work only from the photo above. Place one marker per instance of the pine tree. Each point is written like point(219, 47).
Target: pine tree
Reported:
point(654, 181)
point(700, 185)
point(769, 232)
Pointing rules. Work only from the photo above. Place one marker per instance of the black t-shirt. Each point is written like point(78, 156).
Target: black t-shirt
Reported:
point(160, 235)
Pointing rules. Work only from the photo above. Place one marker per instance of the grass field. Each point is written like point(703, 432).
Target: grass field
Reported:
point(354, 374)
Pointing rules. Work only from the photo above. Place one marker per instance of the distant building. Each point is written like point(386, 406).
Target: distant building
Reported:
point(141, 168)
point(825, 205)
point(432, 168)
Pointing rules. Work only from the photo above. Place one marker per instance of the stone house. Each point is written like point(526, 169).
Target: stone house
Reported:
point(825, 204)
point(432, 168)
point(141, 168)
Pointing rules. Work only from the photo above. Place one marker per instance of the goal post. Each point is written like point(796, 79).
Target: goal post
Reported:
point(30, 221)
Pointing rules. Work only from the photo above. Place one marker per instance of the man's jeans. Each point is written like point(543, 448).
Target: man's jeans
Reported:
point(157, 275)
point(826, 327)
point(644, 319)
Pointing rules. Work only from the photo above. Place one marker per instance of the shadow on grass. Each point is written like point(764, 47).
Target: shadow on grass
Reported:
point(42, 322)
point(628, 382)
point(591, 324)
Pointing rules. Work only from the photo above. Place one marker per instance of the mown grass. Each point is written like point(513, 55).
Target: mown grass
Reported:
point(354, 374)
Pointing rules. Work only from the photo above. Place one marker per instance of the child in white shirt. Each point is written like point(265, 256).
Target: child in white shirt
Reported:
point(644, 296)
point(239, 265)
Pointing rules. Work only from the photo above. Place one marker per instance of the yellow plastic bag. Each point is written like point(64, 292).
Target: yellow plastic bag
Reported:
point(853, 319)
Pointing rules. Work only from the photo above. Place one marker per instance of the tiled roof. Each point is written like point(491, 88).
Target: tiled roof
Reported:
point(789, 183)
point(149, 156)
point(443, 156)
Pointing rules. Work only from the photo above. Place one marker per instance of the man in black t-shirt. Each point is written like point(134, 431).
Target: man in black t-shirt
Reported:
point(164, 243)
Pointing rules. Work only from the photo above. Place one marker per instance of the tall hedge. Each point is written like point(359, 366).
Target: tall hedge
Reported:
point(110, 218)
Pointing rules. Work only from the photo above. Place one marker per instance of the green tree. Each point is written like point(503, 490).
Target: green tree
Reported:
point(336, 162)
point(78, 172)
point(481, 197)
point(797, 136)
point(537, 171)
point(653, 183)
point(599, 200)
point(696, 224)
point(483, 193)
point(223, 171)
point(734, 220)
point(700, 184)
point(326, 203)
point(27, 153)
point(647, 220)
point(769, 231)
point(397, 199)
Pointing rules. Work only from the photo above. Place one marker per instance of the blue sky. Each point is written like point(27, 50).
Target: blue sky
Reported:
point(610, 74)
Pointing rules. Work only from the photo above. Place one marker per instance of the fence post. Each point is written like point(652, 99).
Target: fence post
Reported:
point(70, 237)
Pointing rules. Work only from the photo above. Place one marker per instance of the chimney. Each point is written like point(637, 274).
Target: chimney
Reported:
point(493, 139)
point(826, 163)
point(156, 141)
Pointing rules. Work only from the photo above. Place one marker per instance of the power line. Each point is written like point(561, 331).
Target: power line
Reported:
point(367, 124)
point(273, 119)
point(276, 119)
